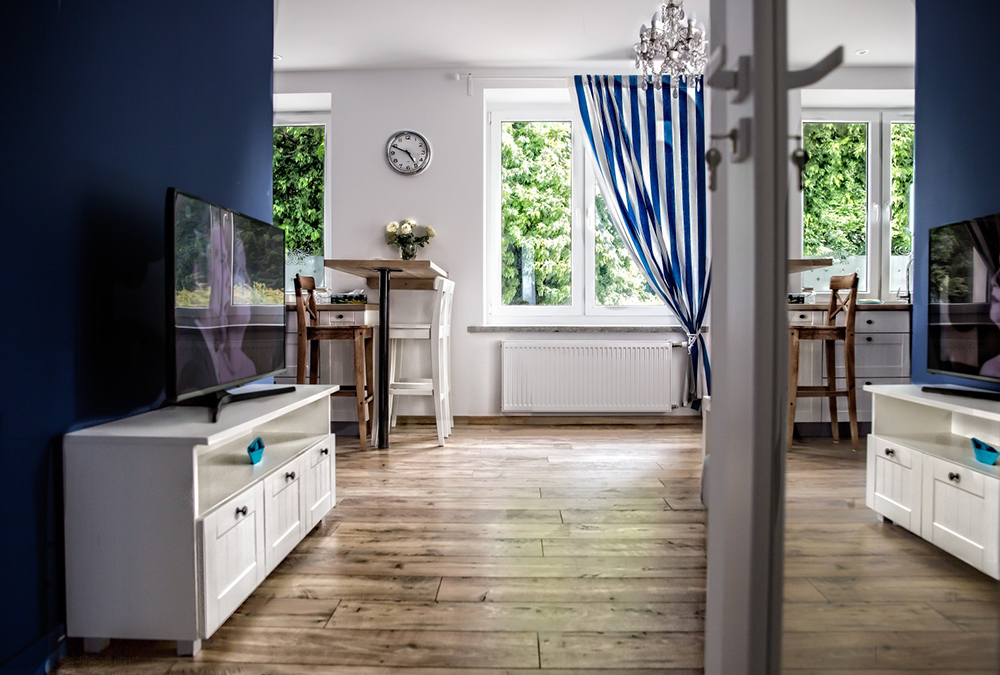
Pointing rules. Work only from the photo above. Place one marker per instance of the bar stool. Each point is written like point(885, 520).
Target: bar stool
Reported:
point(311, 333)
point(829, 334)
point(438, 335)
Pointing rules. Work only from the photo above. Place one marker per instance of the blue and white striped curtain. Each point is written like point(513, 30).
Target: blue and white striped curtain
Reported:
point(649, 145)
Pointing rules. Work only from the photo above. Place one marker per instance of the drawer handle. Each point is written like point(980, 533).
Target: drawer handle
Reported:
point(242, 511)
point(869, 322)
point(868, 339)
point(290, 475)
point(954, 477)
point(325, 451)
point(889, 452)
point(867, 383)
point(802, 316)
point(340, 316)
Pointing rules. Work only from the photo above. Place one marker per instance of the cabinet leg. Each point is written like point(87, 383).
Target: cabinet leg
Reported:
point(188, 647)
point(95, 645)
point(883, 519)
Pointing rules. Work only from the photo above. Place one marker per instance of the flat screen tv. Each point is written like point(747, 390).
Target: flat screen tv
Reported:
point(963, 336)
point(225, 300)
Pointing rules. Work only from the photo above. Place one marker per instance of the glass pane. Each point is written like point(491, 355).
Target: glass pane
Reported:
point(536, 160)
point(901, 181)
point(835, 201)
point(299, 182)
point(617, 280)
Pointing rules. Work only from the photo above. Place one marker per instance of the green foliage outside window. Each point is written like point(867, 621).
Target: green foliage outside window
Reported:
point(618, 282)
point(536, 214)
point(299, 153)
point(835, 199)
point(902, 179)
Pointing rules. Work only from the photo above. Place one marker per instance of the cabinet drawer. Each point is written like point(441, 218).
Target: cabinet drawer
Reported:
point(283, 512)
point(877, 355)
point(893, 485)
point(341, 318)
point(232, 543)
point(959, 477)
point(802, 317)
point(882, 322)
point(895, 453)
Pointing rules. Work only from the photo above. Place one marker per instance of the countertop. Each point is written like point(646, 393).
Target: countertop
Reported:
point(885, 307)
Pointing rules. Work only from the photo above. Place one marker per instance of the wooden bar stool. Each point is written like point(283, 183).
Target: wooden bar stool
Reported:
point(829, 334)
point(311, 333)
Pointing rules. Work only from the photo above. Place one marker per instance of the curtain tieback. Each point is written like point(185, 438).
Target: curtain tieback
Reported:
point(692, 340)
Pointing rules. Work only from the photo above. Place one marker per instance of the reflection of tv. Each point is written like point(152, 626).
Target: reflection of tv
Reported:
point(225, 300)
point(963, 336)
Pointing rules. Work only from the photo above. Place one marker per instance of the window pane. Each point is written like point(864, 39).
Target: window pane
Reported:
point(901, 179)
point(536, 161)
point(299, 182)
point(617, 280)
point(835, 201)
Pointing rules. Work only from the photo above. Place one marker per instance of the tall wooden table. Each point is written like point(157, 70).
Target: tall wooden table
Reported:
point(385, 275)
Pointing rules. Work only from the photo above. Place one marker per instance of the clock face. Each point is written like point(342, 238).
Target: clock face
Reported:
point(408, 152)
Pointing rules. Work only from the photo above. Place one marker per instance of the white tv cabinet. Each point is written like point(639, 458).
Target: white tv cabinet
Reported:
point(923, 475)
point(169, 527)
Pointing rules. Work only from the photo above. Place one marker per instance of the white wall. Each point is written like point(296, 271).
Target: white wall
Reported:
point(367, 107)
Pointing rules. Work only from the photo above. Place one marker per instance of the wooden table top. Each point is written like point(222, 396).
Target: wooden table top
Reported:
point(406, 274)
point(796, 265)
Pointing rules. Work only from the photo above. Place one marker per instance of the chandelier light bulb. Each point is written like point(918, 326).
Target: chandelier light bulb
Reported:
point(674, 46)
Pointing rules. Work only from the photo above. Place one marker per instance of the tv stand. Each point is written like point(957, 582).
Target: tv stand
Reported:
point(967, 393)
point(169, 526)
point(217, 399)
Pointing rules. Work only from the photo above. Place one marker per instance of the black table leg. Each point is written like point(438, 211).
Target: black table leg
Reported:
point(383, 358)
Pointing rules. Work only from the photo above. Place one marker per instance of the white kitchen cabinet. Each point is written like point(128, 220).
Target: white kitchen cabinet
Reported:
point(169, 527)
point(923, 475)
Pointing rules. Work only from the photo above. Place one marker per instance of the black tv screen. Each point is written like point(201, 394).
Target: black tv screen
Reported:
point(963, 336)
point(226, 297)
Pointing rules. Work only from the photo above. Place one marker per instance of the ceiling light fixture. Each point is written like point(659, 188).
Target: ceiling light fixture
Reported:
point(673, 45)
point(862, 52)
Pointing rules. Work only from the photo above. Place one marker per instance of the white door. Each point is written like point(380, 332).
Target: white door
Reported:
point(319, 487)
point(284, 524)
point(232, 542)
point(750, 339)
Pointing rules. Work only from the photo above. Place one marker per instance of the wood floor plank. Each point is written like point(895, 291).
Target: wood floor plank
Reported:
point(495, 530)
point(903, 589)
point(418, 545)
point(501, 616)
point(863, 616)
point(333, 587)
point(663, 515)
point(348, 647)
point(622, 650)
point(190, 668)
point(586, 589)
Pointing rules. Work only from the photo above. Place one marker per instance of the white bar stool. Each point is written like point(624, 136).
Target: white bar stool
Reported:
point(438, 334)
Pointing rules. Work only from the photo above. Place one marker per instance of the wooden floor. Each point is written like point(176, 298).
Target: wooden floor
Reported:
point(575, 551)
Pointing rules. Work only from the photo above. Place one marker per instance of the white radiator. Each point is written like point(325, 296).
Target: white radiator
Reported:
point(591, 376)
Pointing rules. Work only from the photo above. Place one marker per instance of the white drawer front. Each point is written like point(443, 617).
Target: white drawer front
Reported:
point(283, 512)
point(957, 519)
point(894, 483)
point(232, 543)
point(882, 322)
point(877, 355)
point(319, 482)
point(803, 317)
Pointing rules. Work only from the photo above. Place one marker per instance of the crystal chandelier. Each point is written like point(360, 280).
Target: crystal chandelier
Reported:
point(674, 45)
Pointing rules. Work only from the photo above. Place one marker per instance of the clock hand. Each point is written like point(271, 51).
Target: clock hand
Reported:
point(406, 151)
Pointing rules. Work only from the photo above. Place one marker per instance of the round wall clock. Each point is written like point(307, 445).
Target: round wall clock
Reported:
point(408, 152)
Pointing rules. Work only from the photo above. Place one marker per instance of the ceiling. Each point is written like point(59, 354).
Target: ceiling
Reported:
point(368, 34)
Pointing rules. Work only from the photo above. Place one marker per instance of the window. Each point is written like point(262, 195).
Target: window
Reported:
point(300, 195)
point(855, 202)
point(554, 255)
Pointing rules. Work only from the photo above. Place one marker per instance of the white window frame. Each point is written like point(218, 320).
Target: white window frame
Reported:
point(584, 308)
point(315, 119)
point(878, 216)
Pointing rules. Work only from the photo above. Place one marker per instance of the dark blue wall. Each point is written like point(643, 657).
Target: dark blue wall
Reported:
point(105, 103)
point(957, 174)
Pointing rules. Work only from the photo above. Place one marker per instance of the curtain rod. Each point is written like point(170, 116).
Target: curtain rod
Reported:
point(492, 78)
